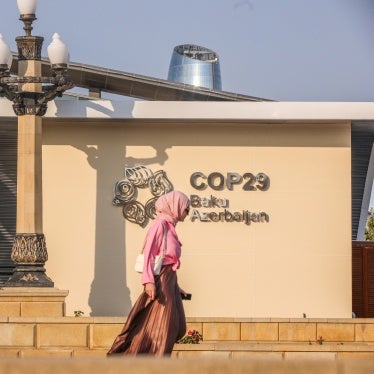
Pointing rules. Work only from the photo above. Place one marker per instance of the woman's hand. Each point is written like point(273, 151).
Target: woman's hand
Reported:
point(150, 290)
point(182, 291)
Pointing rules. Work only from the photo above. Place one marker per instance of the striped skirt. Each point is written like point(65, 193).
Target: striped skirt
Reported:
point(153, 326)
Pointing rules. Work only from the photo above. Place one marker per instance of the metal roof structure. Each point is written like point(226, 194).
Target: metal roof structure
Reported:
point(98, 79)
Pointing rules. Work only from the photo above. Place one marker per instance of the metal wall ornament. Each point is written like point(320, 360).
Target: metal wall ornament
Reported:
point(126, 193)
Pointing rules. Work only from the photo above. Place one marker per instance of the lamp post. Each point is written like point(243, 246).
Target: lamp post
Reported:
point(29, 92)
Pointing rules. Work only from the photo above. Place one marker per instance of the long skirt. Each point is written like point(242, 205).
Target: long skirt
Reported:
point(154, 326)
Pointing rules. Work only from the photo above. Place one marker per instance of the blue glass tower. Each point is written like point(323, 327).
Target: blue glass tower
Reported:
point(195, 65)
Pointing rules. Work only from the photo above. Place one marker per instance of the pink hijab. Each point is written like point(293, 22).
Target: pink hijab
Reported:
point(172, 205)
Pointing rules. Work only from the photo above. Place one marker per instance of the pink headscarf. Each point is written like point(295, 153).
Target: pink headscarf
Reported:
point(172, 205)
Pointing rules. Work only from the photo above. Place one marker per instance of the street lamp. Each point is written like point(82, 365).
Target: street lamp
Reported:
point(26, 101)
point(29, 92)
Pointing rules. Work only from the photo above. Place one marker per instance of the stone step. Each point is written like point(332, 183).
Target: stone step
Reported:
point(231, 350)
point(32, 302)
point(230, 338)
point(98, 365)
point(279, 350)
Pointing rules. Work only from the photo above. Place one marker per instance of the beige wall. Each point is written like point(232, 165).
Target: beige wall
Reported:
point(299, 262)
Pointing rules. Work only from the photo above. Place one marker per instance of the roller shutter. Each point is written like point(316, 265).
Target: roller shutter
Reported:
point(8, 198)
point(363, 279)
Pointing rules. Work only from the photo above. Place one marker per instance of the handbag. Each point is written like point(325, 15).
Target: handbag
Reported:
point(139, 262)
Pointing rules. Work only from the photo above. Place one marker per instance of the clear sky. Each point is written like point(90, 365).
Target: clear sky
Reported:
point(287, 50)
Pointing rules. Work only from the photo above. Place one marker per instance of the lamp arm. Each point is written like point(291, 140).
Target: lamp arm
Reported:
point(50, 92)
point(7, 91)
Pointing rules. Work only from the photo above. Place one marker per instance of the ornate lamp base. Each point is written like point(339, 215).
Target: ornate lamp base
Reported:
point(29, 253)
point(29, 275)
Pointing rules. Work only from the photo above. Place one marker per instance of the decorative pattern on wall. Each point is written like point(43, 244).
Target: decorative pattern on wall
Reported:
point(126, 193)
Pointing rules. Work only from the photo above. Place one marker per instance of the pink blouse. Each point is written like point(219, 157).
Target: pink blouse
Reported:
point(154, 244)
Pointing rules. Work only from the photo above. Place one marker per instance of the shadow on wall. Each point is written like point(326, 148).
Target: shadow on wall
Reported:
point(109, 294)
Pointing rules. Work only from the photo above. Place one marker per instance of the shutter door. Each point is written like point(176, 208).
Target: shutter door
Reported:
point(370, 281)
point(363, 279)
point(8, 195)
point(357, 282)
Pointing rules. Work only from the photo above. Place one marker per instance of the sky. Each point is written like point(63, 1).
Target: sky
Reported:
point(286, 50)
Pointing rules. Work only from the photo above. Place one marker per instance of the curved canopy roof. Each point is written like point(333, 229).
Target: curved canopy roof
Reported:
point(97, 79)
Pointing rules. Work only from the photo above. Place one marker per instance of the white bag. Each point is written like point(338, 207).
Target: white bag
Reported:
point(139, 263)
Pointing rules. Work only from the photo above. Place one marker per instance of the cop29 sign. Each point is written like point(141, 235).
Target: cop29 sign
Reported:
point(219, 182)
point(204, 208)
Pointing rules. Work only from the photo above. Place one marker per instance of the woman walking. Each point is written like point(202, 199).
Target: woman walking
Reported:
point(157, 319)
